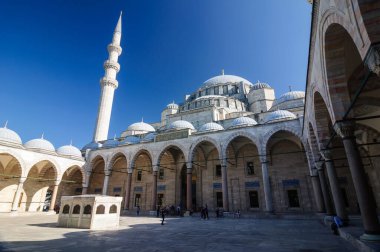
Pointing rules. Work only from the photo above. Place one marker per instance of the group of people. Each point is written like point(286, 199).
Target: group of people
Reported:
point(204, 213)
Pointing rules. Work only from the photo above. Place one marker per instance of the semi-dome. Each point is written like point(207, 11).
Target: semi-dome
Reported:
point(7, 135)
point(211, 126)
point(181, 124)
point(289, 96)
point(260, 85)
point(279, 115)
point(172, 106)
point(224, 79)
point(140, 128)
point(243, 122)
point(39, 144)
point(70, 151)
point(92, 146)
point(131, 140)
point(110, 143)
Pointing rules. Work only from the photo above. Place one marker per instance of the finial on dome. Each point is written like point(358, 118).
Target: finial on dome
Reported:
point(114, 136)
point(42, 136)
point(222, 71)
point(71, 142)
point(6, 124)
point(142, 119)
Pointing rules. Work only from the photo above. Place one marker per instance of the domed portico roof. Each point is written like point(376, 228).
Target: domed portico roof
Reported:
point(181, 124)
point(141, 127)
point(211, 126)
point(8, 135)
point(289, 96)
point(92, 146)
point(110, 143)
point(279, 115)
point(70, 151)
point(131, 140)
point(243, 122)
point(40, 144)
point(224, 79)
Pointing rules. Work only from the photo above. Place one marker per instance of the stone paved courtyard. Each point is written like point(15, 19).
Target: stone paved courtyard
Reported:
point(39, 233)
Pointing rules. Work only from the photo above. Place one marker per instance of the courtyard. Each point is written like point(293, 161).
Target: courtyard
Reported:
point(38, 232)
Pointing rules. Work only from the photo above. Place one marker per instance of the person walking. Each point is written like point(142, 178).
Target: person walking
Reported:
point(138, 210)
point(158, 211)
point(206, 212)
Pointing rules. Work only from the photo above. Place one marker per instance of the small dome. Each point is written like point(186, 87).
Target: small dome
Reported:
point(39, 144)
point(279, 115)
point(7, 135)
point(149, 137)
point(140, 128)
point(172, 106)
point(211, 126)
point(69, 150)
point(224, 79)
point(131, 140)
point(181, 124)
point(260, 85)
point(110, 143)
point(289, 96)
point(243, 122)
point(92, 146)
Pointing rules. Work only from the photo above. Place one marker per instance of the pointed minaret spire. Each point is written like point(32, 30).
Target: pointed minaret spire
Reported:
point(108, 85)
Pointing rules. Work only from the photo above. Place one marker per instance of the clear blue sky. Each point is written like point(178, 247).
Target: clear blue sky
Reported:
point(52, 55)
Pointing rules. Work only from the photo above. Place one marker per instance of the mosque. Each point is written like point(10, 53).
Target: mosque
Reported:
point(232, 144)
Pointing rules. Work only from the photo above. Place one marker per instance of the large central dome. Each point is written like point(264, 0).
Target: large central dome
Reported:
point(224, 79)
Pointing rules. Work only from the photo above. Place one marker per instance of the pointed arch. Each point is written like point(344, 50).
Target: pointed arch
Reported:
point(201, 140)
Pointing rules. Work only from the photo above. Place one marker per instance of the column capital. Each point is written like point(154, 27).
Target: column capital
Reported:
point(373, 60)
point(326, 154)
point(22, 180)
point(57, 182)
point(319, 165)
point(345, 129)
point(263, 159)
point(107, 172)
point(156, 167)
point(189, 165)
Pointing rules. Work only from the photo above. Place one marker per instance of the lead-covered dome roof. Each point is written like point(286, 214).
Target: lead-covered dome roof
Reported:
point(8, 135)
point(260, 85)
point(141, 127)
point(110, 143)
point(224, 79)
point(279, 115)
point(181, 124)
point(131, 140)
point(289, 96)
point(243, 122)
point(39, 144)
point(92, 146)
point(211, 126)
point(70, 151)
point(172, 106)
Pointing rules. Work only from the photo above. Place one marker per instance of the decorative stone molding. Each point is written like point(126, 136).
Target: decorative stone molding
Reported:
point(373, 60)
point(111, 48)
point(345, 129)
point(326, 154)
point(319, 165)
point(109, 82)
point(110, 64)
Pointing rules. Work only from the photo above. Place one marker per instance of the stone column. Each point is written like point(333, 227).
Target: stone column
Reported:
point(334, 185)
point(225, 186)
point(154, 191)
point(86, 183)
point(16, 199)
point(318, 193)
point(54, 195)
point(128, 190)
point(266, 184)
point(189, 193)
point(324, 188)
point(106, 182)
point(362, 189)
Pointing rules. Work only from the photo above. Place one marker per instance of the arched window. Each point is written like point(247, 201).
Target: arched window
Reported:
point(66, 209)
point(87, 209)
point(76, 209)
point(100, 209)
point(113, 209)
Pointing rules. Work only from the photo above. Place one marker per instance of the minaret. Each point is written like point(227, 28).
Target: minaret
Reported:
point(108, 85)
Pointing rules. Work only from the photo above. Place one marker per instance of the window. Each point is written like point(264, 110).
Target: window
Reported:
point(250, 168)
point(219, 199)
point(139, 175)
point(199, 93)
point(78, 191)
point(293, 198)
point(218, 170)
point(76, 209)
point(160, 199)
point(195, 104)
point(236, 89)
point(66, 209)
point(225, 89)
point(216, 90)
point(113, 209)
point(137, 199)
point(98, 190)
point(217, 103)
point(87, 209)
point(227, 104)
point(345, 199)
point(207, 91)
point(100, 209)
point(161, 173)
point(253, 199)
point(188, 106)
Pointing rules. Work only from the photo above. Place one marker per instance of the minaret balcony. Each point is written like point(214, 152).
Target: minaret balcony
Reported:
point(109, 82)
point(111, 64)
point(114, 48)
